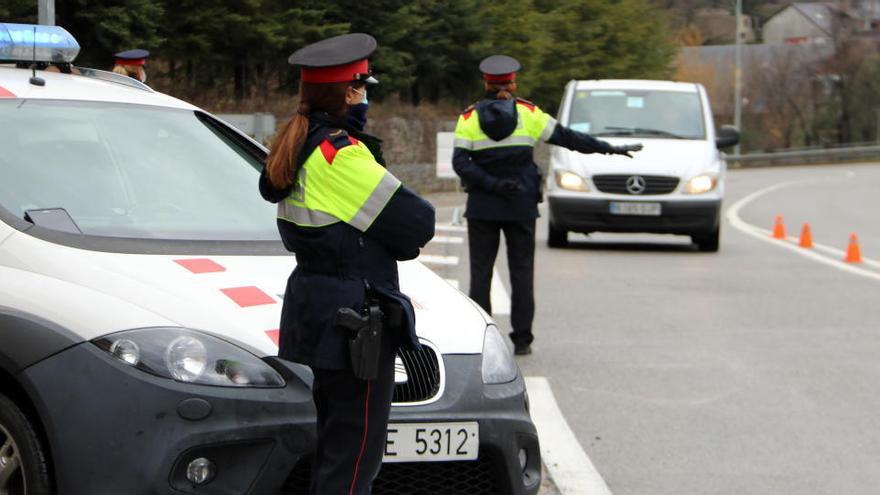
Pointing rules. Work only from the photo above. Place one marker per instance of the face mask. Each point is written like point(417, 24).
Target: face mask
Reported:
point(357, 114)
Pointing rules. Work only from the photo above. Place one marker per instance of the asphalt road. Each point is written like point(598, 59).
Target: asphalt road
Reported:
point(754, 370)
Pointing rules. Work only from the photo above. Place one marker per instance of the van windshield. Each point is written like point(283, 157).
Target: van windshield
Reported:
point(130, 171)
point(642, 113)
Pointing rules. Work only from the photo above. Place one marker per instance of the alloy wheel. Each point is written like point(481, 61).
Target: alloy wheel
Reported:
point(12, 480)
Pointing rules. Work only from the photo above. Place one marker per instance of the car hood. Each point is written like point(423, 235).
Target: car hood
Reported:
point(675, 157)
point(235, 297)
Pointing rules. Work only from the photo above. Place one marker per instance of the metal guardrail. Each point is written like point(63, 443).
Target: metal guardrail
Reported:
point(807, 155)
point(259, 126)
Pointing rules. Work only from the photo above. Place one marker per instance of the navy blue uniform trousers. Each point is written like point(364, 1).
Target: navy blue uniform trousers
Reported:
point(483, 240)
point(352, 426)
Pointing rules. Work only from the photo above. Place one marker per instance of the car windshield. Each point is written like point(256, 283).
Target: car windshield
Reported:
point(130, 171)
point(642, 113)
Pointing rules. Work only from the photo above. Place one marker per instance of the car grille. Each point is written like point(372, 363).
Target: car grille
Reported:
point(415, 478)
point(654, 184)
point(422, 373)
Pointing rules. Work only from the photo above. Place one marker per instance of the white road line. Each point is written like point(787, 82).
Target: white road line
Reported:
point(435, 259)
point(450, 228)
point(498, 296)
point(454, 282)
point(764, 234)
point(568, 464)
point(442, 239)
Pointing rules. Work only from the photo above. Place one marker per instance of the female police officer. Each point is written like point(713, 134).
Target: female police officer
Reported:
point(349, 221)
point(494, 140)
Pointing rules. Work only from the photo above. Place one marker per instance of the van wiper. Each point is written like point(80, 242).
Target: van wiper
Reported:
point(630, 131)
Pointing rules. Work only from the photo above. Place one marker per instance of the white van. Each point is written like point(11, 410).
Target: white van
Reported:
point(675, 185)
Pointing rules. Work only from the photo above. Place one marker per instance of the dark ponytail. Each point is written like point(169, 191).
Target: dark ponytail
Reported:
point(282, 165)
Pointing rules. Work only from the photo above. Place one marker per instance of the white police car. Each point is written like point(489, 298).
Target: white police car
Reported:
point(675, 185)
point(140, 287)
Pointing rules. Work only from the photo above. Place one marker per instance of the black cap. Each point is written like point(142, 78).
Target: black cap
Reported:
point(499, 65)
point(337, 59)
point(136, 54)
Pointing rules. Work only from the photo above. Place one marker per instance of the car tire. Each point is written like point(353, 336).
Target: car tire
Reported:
point(556, 238)
point(22, 453)
point(708, 243)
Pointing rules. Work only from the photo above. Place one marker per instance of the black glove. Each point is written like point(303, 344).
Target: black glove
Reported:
point(625, 149)
point(507, 187)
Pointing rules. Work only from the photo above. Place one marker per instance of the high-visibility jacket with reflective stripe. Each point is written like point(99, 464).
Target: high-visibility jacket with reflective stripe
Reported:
point(342, 184)
point(494, 140)
point(349, 221)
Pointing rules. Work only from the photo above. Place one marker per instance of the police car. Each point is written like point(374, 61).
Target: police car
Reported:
point(141, 277)
point(675, 185)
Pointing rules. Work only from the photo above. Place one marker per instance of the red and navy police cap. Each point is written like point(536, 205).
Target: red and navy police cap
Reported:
point(499, 69)
point(337, 59)
point(132, 57)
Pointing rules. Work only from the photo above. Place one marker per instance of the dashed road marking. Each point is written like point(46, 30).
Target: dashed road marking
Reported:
point(446, 227)
point(568, 464)
point(435, 259)
point(764, 234)
point(443, 239)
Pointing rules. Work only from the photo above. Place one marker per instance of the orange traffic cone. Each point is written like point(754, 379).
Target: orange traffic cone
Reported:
point(779, 228)
point(853, 252)
point(806, 237)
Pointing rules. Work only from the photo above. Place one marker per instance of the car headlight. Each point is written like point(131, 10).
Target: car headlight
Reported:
point(571, 181)
point(498, 363)
point(700, 184)
point(189, 356)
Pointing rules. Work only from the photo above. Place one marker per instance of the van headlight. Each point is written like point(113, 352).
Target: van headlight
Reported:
point(571, 181)
point(701, 184)
point(189, 356)
point(498, 363)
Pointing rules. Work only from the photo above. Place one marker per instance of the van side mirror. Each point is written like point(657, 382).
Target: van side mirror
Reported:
point(726, 137)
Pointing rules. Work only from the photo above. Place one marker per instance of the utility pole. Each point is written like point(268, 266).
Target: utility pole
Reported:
point(46, 12)
point(737, 82)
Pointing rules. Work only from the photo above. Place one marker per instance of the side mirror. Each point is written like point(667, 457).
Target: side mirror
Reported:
point(726, 137)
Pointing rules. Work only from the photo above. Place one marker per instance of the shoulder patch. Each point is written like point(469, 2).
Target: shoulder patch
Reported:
point(334, 142)
point(526, 103)
point(468, 112)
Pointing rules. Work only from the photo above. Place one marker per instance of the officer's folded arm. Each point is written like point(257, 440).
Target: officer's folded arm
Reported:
point(268, 192)
point(473, 174)
point(404, 226)
point(382, 208)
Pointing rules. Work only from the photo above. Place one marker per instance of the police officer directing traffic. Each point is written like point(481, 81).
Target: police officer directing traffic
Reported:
point(494, 141)
point(349, 221)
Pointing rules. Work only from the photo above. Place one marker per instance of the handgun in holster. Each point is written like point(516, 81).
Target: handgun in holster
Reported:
point(365, 338)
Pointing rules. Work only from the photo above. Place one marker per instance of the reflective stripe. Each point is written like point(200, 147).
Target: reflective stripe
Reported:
point(462, 143)
point(548, 129)
point(511, 140)
point(374, 205)
point(304, 217)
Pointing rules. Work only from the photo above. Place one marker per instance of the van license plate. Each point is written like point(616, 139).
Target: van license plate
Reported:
point(431, 442)
point(630, 208)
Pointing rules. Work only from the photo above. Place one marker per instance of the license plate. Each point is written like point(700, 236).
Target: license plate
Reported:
point(424, 442)
point(631, 208)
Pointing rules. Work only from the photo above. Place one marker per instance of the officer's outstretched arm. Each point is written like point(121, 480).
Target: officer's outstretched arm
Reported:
point(546, 128)
point(368, 197)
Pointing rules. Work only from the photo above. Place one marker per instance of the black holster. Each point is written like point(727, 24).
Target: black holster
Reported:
point(365, 338)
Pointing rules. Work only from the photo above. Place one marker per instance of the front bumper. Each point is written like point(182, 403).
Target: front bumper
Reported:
point(113, 429)
point(591, 214)
point(505, 428)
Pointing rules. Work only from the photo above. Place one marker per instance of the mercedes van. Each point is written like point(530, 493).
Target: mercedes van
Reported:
point(675, 185)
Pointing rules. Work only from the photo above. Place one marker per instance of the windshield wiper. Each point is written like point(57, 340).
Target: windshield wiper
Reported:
point(630, 131)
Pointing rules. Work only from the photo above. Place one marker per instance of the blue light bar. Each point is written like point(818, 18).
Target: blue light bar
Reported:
point(52, 43)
